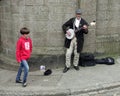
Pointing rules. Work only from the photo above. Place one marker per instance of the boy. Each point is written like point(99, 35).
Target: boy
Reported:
point(23, 52)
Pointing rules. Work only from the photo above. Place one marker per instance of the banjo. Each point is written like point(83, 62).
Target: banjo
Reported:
point(72, 31)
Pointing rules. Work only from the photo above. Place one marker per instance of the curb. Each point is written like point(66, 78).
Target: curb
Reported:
point(57, 92)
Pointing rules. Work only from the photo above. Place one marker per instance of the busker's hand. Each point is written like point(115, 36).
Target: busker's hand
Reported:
point(68, 33)
point(85, 26)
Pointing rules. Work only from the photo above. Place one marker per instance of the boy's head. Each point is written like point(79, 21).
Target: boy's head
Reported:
point(24, 30)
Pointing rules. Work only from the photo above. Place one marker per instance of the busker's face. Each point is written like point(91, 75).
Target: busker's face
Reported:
point(78, 16)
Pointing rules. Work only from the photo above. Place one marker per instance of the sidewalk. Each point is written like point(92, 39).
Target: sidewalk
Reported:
point(72, 83)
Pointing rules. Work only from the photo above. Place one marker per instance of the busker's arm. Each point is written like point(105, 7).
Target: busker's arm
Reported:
point(67, 25)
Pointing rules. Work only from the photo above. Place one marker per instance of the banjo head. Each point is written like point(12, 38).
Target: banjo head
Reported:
point(71, 32)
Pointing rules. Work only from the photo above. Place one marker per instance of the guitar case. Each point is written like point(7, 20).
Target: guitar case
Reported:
point(106, 60)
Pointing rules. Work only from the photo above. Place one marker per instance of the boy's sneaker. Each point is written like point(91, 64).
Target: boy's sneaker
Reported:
point(24, 84)
point(18, 81)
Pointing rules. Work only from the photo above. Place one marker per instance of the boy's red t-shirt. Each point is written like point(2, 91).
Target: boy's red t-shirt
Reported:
point(23, 49)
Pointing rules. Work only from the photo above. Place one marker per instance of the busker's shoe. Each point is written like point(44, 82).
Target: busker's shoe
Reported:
point(18, 81)
point(76, 68)
point(65, 69)
point(24, 84)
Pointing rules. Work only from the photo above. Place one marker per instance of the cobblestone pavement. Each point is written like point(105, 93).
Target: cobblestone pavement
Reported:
point(99, 80)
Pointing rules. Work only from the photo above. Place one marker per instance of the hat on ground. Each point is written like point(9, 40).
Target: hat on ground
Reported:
point(48, 72)
point(78, 11)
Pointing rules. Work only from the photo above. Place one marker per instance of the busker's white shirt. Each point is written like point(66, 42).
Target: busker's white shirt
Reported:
point(77, 22)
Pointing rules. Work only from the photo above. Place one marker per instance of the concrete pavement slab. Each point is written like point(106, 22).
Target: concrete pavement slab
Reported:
point(86, 80)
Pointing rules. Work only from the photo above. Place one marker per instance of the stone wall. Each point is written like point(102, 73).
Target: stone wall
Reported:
point(105, 35)
point(44, 18)
point(108, 26)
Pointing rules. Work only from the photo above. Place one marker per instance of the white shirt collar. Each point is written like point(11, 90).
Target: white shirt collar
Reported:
point(77, 22)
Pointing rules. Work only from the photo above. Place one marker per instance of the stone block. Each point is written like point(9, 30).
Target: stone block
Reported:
point(34, 2)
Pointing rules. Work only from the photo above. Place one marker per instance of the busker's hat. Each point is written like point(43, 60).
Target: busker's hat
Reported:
point(78, 11)
point(48, 72)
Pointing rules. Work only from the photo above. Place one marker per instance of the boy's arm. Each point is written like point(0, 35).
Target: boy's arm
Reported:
point(31, 45)
point(18, 48)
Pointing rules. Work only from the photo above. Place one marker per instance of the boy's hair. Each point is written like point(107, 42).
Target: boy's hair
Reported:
point(24, 30)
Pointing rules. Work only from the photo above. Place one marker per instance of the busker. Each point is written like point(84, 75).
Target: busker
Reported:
point(74, 30)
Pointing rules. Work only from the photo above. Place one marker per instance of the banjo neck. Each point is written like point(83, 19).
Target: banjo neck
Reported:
point(78, 29)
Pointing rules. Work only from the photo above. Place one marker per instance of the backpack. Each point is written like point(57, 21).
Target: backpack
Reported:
point(87, 59)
